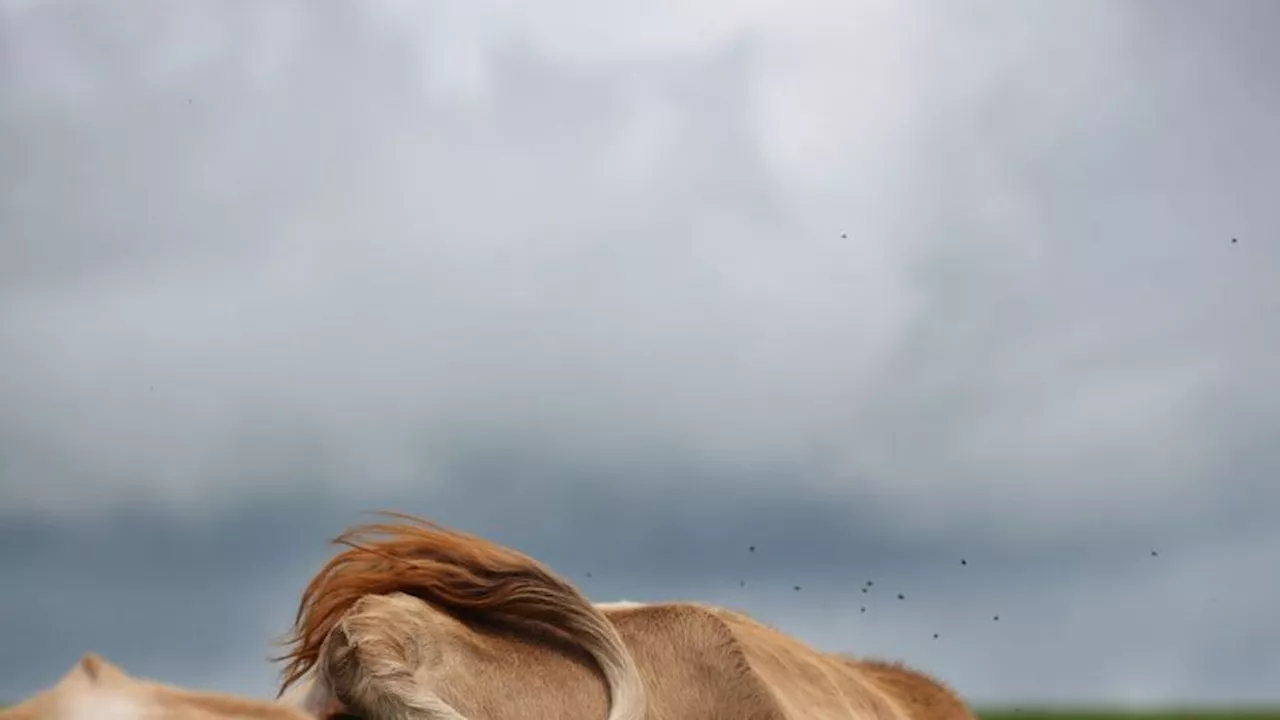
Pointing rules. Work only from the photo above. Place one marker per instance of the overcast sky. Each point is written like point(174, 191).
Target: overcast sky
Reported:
point(872, 286)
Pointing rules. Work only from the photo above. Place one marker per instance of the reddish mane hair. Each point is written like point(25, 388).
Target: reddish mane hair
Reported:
point(457, 572)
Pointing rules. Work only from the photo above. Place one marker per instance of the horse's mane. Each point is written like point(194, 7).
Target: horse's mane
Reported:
point(469, 577)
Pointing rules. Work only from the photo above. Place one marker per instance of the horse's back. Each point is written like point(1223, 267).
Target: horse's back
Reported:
point(700, 661)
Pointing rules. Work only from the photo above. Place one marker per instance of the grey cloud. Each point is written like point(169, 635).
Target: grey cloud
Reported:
point(557, 285)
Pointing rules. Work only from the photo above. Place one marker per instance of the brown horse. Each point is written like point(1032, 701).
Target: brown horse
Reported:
point(416, 622)
point(94, 689)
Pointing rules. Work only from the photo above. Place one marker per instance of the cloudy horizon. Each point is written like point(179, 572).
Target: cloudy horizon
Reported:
point(632, 288)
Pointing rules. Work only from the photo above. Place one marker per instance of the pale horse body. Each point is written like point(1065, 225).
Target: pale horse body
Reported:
point(94, 689)
point(416, 622)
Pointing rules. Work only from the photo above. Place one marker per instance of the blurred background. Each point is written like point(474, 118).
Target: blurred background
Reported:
point(972, 301)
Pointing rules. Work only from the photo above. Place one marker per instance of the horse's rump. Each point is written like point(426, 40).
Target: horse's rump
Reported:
point(923, 695)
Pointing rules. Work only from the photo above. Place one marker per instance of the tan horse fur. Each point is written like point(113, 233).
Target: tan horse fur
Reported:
point(416, 622)
point(94, 689)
